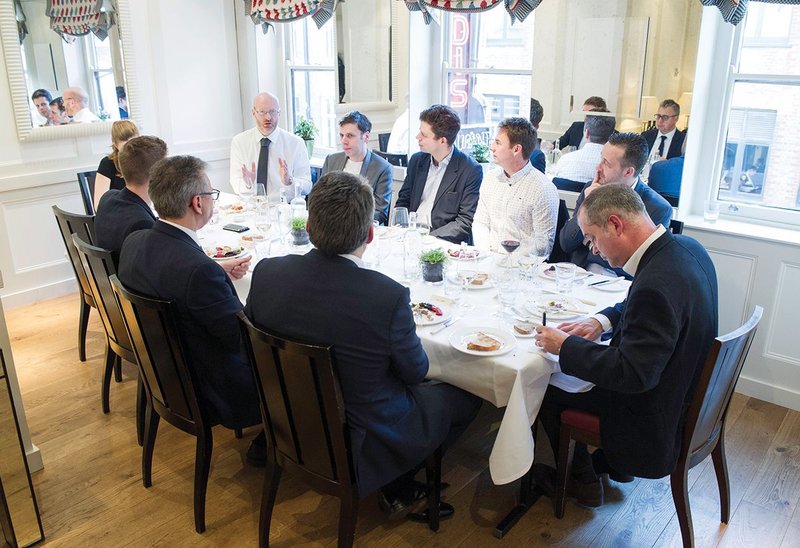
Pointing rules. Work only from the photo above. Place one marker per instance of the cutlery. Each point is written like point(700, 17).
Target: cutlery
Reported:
point(605, 282)
point(446, 324)
point(584, 301)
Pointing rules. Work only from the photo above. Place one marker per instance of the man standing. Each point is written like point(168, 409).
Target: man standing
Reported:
point(356, 158)
point(442, 183)
point(76, 102)
point(645, 377)
point(517, 201)
point(622, 159)
point(396, 420)
point(167, 262)
point(581, 165)
point(269, 155)
point(41, 100)
point(665, 140)
point(121, 212)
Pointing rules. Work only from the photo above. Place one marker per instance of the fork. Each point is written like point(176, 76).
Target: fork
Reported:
point(446, 324)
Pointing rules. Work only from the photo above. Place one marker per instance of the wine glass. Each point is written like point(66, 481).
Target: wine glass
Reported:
point(261, 197)
point(510, 246)
point(399, 217)
point(538, 254)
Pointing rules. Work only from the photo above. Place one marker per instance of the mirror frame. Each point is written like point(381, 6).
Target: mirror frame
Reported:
point(19, 89)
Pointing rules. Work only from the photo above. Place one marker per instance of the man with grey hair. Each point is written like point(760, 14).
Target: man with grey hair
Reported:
point(76, 102)
point(396, 420)
point(665, 140)
point(269, 155)
point(645, 377)
point(581, 165)
point(167, 262)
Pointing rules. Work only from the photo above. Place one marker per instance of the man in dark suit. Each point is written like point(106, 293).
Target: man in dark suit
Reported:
point(665, 140)
point(127, 210)
point(574, 136)
point(661, 337)
point(537, 157)
point(395, 419)
point(622, 159)
point(357, 158)
point(442, 183)
point(168, 263)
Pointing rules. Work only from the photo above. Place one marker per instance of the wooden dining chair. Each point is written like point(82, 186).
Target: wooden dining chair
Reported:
point(169, 388)
point(83, 226)
point(703, 430)
point(400, 160)
point(86, 186)
point(98, 265)
point(306, 428)
point(568, 184)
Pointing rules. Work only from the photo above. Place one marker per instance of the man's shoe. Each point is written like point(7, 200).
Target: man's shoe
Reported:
point(395, 508)
point(256, 455)
point(601, 466)
point(445, 511)
point(585, 494)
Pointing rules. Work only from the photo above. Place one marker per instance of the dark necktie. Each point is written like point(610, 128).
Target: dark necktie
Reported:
point(660, 146)
point(263, 162)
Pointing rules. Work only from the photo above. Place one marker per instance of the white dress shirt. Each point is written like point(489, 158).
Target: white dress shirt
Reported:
point(245, 148)
point(432, 183)
point(655, 144)
point(579, 165)
point(84, 116)
point(522, 207)
point(188, 231)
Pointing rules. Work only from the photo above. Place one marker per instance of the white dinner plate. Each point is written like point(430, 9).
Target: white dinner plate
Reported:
point(530, 335)
point(461, 338)
point(422, 319)
point(472, 253)
point(236, 252)
point(612, 287)
point(486, 284)
point(548, 274)
point(557, 307)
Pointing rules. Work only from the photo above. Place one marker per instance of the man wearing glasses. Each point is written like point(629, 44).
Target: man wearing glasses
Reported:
point(167, 262)
point(665, 141)
point(269, 155)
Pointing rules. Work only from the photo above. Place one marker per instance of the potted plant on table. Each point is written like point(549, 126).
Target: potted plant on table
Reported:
point(433, 265)
point(306, 130)
point(299, 232)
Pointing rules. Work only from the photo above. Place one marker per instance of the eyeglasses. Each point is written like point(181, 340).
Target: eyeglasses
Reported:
point(664, 117)
point(214, 194)
point(272, 113)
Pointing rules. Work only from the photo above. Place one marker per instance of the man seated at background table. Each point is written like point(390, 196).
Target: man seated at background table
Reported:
point(536, 114)
point(442, 183)
point(665, 140)
point(396, 420)
point(621, 162)
point(121, 212)
point(516, 201)
point(581, 165)
point(357, 158)
point(167, 262)
point(662, 335)
point(269, 155)
point(575, 136)
point(76, 102)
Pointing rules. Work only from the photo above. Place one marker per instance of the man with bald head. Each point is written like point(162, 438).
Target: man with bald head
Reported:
point(76, 102)
point(268, 154)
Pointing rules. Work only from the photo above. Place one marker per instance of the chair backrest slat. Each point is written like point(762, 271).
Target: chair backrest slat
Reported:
point(676, 227)
point(83, 226)
point(159, 351)
point(558, 255)
point(86, 186)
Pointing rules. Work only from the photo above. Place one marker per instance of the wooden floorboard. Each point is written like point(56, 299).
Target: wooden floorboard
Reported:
point(91, 494)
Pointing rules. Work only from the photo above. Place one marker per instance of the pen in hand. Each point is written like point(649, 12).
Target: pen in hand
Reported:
point(544, 318)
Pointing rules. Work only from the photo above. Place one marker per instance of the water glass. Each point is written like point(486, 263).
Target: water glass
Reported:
point(453, 285)
point(399, 217)
point(565, 275)
point(711, 211)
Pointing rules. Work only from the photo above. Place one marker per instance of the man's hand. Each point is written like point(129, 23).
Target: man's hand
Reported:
point(286, 177)
point(249, 175)
point(596, 183)
point(236, 268)
point(588, 328)
point(550, 339)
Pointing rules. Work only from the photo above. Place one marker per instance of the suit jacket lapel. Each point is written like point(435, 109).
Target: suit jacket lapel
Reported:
point(365, 165)
point(419, 184)
point(450, 175)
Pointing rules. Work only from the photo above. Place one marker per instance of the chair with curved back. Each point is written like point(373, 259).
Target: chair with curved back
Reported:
point(83, 226)
point(676, 227)
point(568, 185)
point(400, 160)
point(98, 265)
point(306, 428)
point(703, 430)
point(86, 186)
point(169, 387)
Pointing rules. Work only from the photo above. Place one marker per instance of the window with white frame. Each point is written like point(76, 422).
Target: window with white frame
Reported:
point(760, 168)
point(311, 62)
point(487, 78)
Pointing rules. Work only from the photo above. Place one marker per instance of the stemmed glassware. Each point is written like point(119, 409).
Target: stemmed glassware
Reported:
point(510, 246)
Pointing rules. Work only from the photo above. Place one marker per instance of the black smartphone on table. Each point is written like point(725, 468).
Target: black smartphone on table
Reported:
point(236, 228)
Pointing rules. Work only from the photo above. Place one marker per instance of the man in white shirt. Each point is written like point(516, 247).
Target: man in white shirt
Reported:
point(581, 165)
point(666, 140)
point(269, 155)
point(76, 103)
point(516, 201)
point(356, 158)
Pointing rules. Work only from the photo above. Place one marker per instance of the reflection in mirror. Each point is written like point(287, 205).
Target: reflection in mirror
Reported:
point(44, 61)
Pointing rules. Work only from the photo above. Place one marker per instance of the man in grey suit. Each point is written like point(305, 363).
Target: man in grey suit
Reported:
point(357, 159)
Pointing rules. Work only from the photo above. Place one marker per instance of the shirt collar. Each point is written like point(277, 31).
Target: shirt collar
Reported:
point(359, 262)
point(445, 160)
point(633, 263)
point(191, 233)
point(670, 134)
point(518, 176)
point(257, 135)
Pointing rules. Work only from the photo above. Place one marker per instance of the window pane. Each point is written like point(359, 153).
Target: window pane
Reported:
point(771, 43)
point(309, 45)
point(488, 98)
point(310, 103)
point(761, 158)
point(489, 40)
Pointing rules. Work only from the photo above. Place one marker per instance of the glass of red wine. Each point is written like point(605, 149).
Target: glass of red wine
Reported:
point(510, 246)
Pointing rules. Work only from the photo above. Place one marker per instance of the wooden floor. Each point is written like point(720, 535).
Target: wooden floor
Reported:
point(90, 491)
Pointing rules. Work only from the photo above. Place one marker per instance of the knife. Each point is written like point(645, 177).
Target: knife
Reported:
point(445, 325)
point(604, 282)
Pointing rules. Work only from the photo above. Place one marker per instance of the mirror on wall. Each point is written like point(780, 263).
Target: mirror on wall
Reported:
point(43, 60)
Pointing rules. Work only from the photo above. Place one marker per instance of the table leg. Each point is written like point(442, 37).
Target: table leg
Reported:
point(529, 493)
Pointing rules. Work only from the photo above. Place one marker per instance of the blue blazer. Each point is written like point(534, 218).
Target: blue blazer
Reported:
point(377, 171)
point(665, 176)
point(538, 161)
point(165, 263)
point(379, 359)
point(457, 197)
point(119, 213)
point(661, 339)
point(573, 136)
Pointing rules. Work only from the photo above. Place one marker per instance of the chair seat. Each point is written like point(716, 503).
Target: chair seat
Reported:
point(581, 419)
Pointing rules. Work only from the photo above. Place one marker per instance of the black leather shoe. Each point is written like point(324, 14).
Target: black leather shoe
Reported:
point(445, 511)
point(256, 455)
point(395, 508)
point(585, 494)
point(601, 466)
